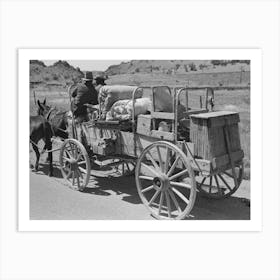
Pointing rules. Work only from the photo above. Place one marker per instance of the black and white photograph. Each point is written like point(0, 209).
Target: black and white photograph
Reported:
point(139, 139)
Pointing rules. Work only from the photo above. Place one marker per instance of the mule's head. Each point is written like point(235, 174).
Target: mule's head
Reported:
point(43, 109)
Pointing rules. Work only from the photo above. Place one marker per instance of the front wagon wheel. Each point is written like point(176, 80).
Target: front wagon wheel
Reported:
point(74, 164)
point(165, 181)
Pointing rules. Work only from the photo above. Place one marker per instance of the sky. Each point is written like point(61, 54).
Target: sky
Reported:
point(88, 65)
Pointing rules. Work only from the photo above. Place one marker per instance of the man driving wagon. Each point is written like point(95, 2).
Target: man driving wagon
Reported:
point(83, 93)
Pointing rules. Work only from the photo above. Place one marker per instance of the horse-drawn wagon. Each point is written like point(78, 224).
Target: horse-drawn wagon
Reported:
point(174, 150)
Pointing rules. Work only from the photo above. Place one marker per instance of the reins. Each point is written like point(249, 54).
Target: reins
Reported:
point(43, 150)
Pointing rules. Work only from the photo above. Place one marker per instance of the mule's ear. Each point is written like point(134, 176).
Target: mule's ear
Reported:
point(44, 101)
point(38, 102)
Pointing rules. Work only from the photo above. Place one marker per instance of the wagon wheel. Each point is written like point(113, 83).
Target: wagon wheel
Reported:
point(124, 167)
point(221, 185)
point(74, 164)
point(165, 181)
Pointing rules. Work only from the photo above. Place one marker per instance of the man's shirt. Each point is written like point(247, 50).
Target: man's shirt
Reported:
point(85, 93)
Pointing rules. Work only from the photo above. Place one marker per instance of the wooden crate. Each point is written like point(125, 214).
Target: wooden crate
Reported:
point(208, 133)
point(144, 124)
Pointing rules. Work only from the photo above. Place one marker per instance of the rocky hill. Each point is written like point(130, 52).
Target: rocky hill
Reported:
point(61, 73)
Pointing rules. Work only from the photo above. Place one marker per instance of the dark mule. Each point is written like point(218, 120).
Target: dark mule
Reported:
point(41, 129)
point(57, 119)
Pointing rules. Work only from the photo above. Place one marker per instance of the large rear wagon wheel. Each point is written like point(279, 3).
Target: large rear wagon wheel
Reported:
point(222, 184)
point(74, 164)
point(165, 181)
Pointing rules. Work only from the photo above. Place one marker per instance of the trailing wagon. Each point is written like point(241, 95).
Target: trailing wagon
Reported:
point(174, 150)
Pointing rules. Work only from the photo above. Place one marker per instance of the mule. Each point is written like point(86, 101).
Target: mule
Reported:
point(57, 119)
point(41, 129)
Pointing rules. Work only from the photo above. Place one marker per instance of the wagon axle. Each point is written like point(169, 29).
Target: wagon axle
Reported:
point(161, 182)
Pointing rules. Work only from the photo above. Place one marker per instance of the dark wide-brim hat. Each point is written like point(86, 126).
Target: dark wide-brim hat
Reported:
point(88, 76)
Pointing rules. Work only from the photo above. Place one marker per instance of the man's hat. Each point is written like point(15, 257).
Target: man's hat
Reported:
point(101, 78)
point(88, 76)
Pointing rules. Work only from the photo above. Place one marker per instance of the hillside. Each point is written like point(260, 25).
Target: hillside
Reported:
point(177, 66)
point(61, 73)
point(168, 72)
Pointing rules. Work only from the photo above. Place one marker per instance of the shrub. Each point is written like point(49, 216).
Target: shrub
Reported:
point(55, 77)
point(192, 67)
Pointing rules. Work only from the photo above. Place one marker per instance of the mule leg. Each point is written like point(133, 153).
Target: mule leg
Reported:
point(46, 149)
point(48, 145)
point(35, 148)
point(50, 158)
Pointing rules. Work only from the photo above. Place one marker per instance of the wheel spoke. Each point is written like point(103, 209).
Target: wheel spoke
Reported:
point(228, 174)
point(180, 195)
point(203, 180)
point(153, 161)
point(148, 189)
point(72, 151)
point(167, 160)
point(82, 162)
point(68, 154)
point(179, 184)
point(160, 202)
point(168, 204)
point(66, 159)
point(82, 170)
point(224, 181)
point(175, 201)
point(173, 166)
point(146, 178)
point(160, 159)
point(80, 174)
point(127, 167)
point(80, 155)
point(78, 179)
point(73, 178)
point(218, 185)
point(154, 197)
point(182, 173)
point(69, 174)
point(150, 169)
point(210, 184)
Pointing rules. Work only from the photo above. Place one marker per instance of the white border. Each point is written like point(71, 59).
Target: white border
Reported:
point(25, 224)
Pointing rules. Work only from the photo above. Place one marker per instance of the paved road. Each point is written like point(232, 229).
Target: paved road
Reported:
point(116, 198)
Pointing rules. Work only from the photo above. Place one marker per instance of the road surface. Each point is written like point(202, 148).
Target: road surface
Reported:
point(116, 198)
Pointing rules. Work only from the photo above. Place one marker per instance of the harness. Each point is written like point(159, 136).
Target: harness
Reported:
point(49, 120)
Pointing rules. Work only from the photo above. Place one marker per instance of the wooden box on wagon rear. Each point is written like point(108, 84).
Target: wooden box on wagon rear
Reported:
point(216, 135)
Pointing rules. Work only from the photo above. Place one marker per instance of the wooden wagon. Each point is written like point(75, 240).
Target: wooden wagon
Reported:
point(199, 152)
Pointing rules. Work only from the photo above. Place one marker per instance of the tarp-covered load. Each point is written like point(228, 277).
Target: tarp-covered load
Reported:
point(122, 109)
point(108, 95)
